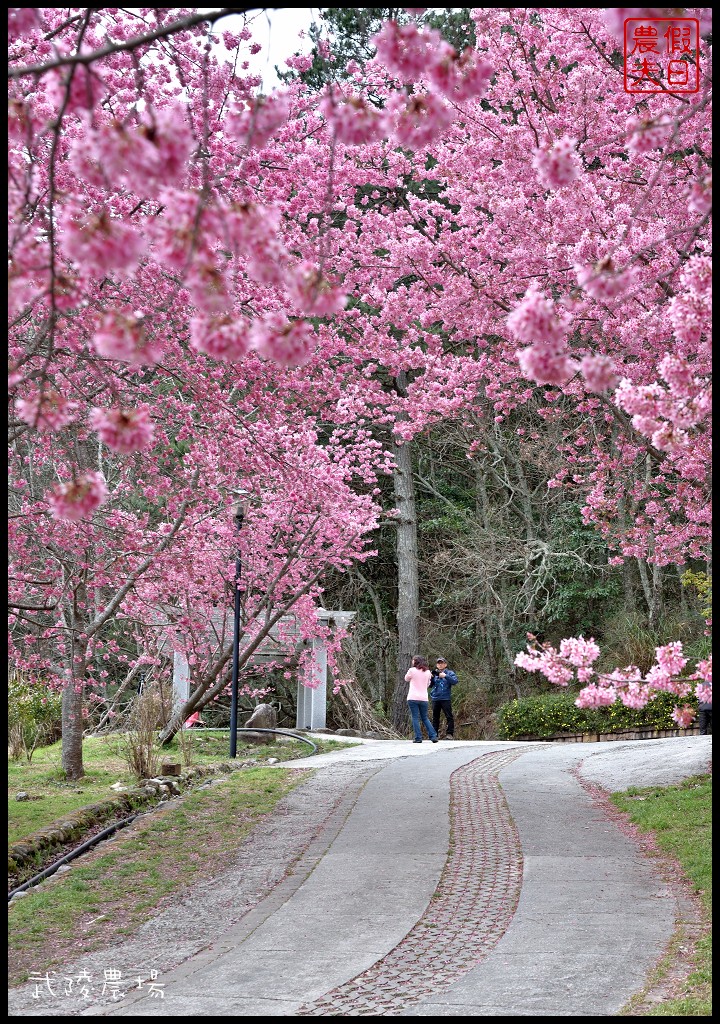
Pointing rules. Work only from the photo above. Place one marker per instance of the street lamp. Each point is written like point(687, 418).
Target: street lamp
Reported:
point(238, 515)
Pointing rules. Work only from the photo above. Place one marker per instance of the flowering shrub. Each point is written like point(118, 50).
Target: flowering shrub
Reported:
point(553, 713)
point(574, 660)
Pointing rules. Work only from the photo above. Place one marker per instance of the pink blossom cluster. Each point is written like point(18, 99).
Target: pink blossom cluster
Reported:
point(354, 120)
point(603, 281)
point(312, 293)
point(124, 430)
point(287, 342)
point(418, 120)
point(670, 658)
point(700, 201)
point(409, 51)
point(594, 696)
point(615, 17)
point(79, 498)
point(579, 652)
point(704, 670)
point(462, 76)
point(123, 335)
point(684, 716)
point(46, 410)
point(535, 320)
point(646, 135)
point(24, 20)
point(635, 695)
point(225, 336)
point(146, 157)
point(100, 241)
point(255, 124)
point(559, 165)
point(548, 663)
point(599, 373)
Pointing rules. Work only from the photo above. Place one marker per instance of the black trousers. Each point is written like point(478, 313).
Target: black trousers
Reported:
point(704, 720)
point(446, 706)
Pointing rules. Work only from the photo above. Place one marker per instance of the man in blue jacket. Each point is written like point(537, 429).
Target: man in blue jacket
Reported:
point(443, 679)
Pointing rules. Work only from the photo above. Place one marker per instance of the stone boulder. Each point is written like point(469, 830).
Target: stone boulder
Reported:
point(263, 717)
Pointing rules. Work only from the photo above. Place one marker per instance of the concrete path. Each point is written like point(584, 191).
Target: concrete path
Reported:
point(454, 879)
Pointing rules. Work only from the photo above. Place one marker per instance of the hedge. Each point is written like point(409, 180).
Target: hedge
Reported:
point(552, 713)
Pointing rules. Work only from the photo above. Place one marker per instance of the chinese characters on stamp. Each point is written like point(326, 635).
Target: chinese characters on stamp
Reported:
point(661, 55)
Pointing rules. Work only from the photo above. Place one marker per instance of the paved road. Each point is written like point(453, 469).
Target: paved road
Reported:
point(454, 879)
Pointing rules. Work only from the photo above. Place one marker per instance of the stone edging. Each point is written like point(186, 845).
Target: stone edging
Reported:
point(619, 734)
point(74, 824)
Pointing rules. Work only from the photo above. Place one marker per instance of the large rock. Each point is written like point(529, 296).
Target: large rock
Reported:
point(263, 717)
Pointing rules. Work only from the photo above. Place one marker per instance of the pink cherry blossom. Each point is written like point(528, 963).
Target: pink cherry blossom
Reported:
point(78, 498)
point(599, 373)
point(461, 77)
point(288, 342)
point(684, 716)
point(256, 124)
point(410, 51)
point(46, 410)
point(671, 657)
point(594, 696)
point(700, 201)
point(312, 294)
point(100, 243)
point(559, 165)
point(647, 135)
point(124, 430)
point(23, 20)
point(354, 120)
point(546, 365)
point(536, 319)
point(123, 335)
point(418, 120)
point(603, 281)
point(225, 337)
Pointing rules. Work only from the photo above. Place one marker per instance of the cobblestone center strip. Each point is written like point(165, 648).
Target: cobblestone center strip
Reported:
point(469, 912)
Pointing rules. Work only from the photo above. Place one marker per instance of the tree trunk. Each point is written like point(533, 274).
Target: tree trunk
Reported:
point(408, 583)
point(72, 718)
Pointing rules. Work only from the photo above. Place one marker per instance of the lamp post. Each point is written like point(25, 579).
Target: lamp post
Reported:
point(238, 516)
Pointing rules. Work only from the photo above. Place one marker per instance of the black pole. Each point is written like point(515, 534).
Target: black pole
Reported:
point(236, 642)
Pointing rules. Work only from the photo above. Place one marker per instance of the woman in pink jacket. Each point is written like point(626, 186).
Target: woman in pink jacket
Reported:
point(419, 678)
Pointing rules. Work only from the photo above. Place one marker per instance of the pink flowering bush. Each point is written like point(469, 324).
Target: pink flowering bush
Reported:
point(575, 658)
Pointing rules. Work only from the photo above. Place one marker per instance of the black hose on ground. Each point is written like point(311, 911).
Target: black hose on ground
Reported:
point(73, 854)
point(125, 821)
point(283, 732)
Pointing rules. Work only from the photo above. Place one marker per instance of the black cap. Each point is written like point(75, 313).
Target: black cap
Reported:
point(440, 658)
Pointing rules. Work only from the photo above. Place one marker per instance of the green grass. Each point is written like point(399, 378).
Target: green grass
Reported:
point(114, 892)
point(679, 818)
point(104, 766)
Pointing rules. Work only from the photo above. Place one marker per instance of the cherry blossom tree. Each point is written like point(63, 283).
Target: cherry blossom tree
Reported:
point(192, 263)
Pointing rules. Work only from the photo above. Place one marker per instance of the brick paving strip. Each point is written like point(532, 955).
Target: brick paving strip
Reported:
point(470, 911)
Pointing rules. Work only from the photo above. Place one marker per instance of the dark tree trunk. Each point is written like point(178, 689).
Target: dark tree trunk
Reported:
point(408, 583)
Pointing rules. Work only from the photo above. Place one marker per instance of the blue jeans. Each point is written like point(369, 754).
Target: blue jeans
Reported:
point(418, 711)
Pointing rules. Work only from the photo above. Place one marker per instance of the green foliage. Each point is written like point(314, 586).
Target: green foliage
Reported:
point(702, 583)
point(34, 715)
point(680, 818)
point(551, 713)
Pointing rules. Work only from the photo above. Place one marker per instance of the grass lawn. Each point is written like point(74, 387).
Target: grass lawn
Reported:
point(107, 895)
point(104, 765)
point(679, 819)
